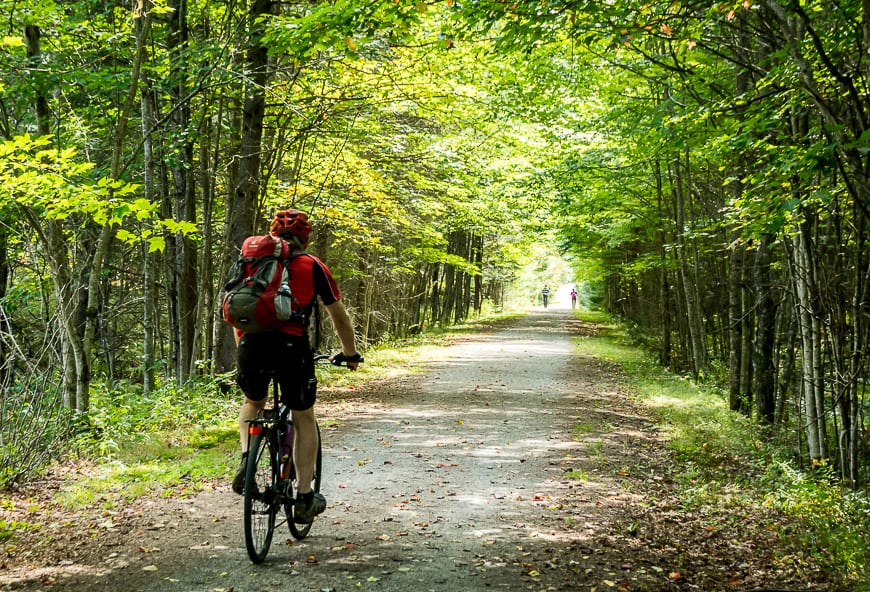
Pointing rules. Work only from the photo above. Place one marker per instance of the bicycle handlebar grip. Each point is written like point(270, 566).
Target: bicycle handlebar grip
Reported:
point(340, 359)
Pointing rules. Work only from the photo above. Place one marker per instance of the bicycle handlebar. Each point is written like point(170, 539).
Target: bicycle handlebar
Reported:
point(340, 359)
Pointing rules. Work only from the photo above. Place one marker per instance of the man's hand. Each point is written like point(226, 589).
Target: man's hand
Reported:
point(350, 361)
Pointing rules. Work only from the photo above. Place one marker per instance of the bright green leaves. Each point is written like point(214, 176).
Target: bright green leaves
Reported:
point(36, 176)
point(341, 26)
point(56, 185)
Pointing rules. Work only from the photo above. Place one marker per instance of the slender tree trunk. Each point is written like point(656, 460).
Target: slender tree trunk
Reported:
point(106, 234)
point(149, 305)
point(764, 374)
point(849, 402)
point(242, 213)
point(5, 371)
point(664, 282)
point(435, 294)
point(690, 285)
point(478, 278)
point(787, 365)
point(73, 351)
point(184, 197)
point(736, 400)
point(812, 379)
point(205, 317)
point(747, 338)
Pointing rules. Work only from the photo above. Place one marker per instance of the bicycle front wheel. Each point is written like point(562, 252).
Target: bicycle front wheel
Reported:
point(300, 531)
point(261, 498)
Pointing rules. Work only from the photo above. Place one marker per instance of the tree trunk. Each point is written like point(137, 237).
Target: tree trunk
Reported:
point(184, 197)
point(812, 379)
point(5, 371)
point(76, 375)
point(664, 282)
point(787, 366)
point(736, 400)
point(690, 284)
point(149, 305)
point(244, 204)
point(206, 307)
point(764, 375)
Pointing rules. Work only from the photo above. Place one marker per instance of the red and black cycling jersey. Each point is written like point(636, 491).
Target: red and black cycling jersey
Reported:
point(310, 278)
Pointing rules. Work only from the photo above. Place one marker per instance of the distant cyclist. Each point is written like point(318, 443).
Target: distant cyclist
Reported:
point(573, 297)
point(287, 352)
point(545, 293)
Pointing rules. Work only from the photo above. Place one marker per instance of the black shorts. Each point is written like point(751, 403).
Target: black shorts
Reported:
point(288, 358)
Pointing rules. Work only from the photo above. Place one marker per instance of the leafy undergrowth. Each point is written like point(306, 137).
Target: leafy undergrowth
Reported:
point(724, 461)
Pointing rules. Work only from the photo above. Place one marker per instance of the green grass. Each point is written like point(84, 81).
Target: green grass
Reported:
point(584, 427)
point(576, 474)
point(724, 460)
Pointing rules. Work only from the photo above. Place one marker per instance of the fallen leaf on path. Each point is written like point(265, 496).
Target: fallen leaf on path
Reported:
point(149, 568)
point(148, 549)
point(204, 545)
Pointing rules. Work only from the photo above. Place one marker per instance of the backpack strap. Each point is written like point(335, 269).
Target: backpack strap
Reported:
point(279, 245)
point(301, 316)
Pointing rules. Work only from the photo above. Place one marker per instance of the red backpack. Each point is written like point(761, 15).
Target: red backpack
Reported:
point(257, 296)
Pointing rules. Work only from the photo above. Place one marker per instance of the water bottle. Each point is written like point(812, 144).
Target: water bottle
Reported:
point(283, 302)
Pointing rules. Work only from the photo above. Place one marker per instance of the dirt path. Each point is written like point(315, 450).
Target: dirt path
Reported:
point(510, 464)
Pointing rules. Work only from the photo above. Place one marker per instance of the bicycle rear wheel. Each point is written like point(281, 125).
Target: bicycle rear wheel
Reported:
point(261, 499)
point(300, 531)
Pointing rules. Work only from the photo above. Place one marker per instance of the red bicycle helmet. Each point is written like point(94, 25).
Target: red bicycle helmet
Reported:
point(291, 221)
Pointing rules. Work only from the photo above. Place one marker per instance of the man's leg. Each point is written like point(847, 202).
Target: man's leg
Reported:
point(305, 447)
point(308, 503)
point(249, 410)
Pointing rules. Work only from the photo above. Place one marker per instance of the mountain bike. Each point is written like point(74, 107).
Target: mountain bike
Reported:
point(270, 478)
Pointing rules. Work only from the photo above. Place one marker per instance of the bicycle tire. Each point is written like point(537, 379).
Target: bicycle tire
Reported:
point(300, 531)
point(261, 500)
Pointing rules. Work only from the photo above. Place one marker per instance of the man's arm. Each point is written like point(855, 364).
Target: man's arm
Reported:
point(344, 329)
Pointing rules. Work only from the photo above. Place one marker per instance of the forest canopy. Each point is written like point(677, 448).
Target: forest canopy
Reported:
point(703, 167)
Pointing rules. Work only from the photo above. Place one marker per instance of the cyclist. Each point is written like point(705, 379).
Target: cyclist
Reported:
point(287, 352)
point(545, 293)
point(573, 297)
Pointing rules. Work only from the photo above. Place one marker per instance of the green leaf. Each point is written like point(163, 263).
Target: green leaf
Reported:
point(157, 243)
